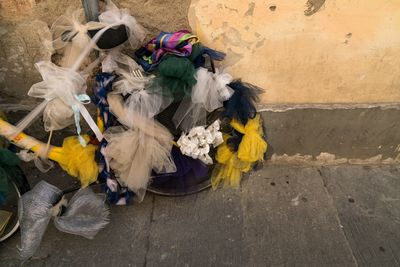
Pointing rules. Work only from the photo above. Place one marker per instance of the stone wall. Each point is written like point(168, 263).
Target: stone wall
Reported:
point(315, 51)
point(304, 53)
point(25, 35)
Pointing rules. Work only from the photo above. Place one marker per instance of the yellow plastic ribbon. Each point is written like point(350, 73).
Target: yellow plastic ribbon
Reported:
point(251, 149)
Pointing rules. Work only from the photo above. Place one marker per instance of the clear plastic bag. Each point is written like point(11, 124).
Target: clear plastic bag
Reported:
point(34, 213)
point(85, 215)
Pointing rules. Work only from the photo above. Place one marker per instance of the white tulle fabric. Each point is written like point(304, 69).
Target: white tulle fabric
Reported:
point(70, 36)
point(131, 78)
point(207, 95)
point(40, 159)
point(61, 88)
point(70, 31)
point(147, 103)
point(133, 152)
point(197, 143)
point(132, 82)
point(115, 61)
point(113, 15)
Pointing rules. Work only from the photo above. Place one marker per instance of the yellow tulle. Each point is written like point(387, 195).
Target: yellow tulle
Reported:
point(100, 122)
point(253, 146)
point(230, 165)
point(76, 160)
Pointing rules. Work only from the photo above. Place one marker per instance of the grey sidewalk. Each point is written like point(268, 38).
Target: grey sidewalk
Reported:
point(281, 216)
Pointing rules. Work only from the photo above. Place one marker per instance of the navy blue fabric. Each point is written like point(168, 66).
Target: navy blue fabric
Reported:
point(241, 105)
point(103, 87)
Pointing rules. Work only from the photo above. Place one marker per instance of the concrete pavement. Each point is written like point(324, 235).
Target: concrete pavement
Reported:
point(282, 216)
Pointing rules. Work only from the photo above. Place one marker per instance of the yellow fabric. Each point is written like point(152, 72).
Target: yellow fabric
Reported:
point(253, 146)
point(228, 169)
point(230, 166)
point(100, 122)
point(76, 160)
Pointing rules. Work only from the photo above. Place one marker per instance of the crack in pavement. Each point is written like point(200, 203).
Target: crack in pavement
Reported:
point(336, 213)
point(151, 220)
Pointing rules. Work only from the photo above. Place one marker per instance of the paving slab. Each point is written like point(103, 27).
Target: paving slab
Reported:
point(200, 230)
point(121, 243)
point(281, 216)
point(123, 238)
point(289, 220)
point(368, 202)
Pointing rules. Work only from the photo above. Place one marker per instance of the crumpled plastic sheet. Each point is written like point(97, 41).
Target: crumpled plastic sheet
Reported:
point(84, 215)
point(34, 213)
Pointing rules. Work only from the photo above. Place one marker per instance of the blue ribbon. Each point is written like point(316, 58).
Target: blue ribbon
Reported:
point(84, 99)
point(104, 86)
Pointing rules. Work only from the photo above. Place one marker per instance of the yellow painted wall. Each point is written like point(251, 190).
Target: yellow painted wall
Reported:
point(338, 51)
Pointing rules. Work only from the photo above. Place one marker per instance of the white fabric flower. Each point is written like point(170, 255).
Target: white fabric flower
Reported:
point(197, 143)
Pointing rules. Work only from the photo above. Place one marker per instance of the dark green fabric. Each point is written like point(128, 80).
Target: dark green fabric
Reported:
point(3, 141)
point(177, 75)
point(197, 50)
point(9, 171)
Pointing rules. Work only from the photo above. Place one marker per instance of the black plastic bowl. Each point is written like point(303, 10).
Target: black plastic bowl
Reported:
point(175, 186)
point(110, 38)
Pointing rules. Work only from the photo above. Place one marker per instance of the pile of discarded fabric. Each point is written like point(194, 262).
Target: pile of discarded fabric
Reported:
point(164, 112)
point(137, 137)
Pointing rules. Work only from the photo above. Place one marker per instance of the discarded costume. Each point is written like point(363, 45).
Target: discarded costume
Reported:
point(137, 148)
